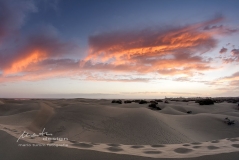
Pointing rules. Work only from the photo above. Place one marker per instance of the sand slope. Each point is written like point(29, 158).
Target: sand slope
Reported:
point(99, 123)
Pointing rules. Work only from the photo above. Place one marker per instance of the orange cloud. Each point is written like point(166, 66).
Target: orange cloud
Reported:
point(165, 51)
point(22, 63)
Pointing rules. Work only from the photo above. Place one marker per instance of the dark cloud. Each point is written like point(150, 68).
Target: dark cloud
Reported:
point(235, 52)
point(220, 29)
point(213, 27)
point(223, 50)
point(13, 14)
point(37, 48)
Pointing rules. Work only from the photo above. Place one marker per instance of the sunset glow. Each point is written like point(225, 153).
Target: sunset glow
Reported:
point(145, 48)
point(21, 64)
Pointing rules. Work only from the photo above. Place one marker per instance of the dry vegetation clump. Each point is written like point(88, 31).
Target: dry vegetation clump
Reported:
point(159, 100)
point(154, 106)
point(205, 102)
point(228, 121)
point(127, 101)
point(142, 102)
point(117, 101)
point(153, 102)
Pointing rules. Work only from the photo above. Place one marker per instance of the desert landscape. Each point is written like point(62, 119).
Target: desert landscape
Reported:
point(119, 80)
point(119, 129)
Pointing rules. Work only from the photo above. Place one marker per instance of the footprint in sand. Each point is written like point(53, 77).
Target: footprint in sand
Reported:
point(152, 152)
point(183, 150)
point(115, 149)
point(235, 145)
point(157, 145)
point(233, 139)
point(196, 143)
point(94, 143)
point(113, 145)
point(137, 146)
point(196, 147)
point(83, 145)
point(215, 141)
point(212, 147)
point(72, 141)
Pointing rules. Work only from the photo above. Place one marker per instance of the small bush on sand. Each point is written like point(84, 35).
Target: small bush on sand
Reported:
point(205, 102)
point(117, 101)
point(153, 102)
point(228, 121)
point(154, 106)
point(127, 101)
point(142, 102)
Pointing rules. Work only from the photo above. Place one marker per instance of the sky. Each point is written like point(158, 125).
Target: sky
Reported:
point(119, 49)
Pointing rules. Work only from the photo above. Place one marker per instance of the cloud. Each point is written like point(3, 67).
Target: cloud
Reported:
point(233, 58)
point(167, 51)
point(220, 29)
point(13, 14)
point(229, 82)
point(223, 50)
point(234, 76)
point(43, 45)
point(39, 53)
point(43, 53)
point(235, 52)
point(45, 69)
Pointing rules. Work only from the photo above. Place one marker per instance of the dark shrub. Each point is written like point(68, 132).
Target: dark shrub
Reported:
point(153, 102)
point(158, 108)
point(166, 102)
point(228, 121)
point(158, 100)
point(184, 100)
point(127, 101)
point(189, 112)
point(117, 101)
point(154, 106)
point(142, 102)
point(206, 102)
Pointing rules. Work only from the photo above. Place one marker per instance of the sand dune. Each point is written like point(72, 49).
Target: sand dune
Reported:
point(20, 119)
point(132, 129)
point(42, 117)
point(1, 102)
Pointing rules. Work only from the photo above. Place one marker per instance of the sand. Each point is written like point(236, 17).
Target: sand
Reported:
point(97, 129)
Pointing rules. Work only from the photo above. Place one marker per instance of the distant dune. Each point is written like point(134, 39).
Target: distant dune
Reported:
point(1, 102)
point(130, 129)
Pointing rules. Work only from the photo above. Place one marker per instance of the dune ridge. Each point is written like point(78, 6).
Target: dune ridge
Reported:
point(129, 129)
